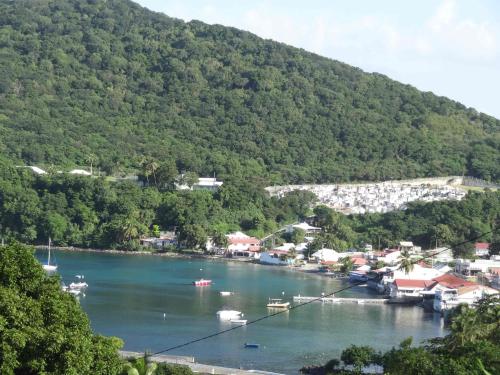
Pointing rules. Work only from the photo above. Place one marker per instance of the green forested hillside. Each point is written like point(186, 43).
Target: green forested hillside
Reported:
point(114, 80)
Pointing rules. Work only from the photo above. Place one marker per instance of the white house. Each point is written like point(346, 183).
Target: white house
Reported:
point(203, 183)
point(419, 272)
point(326, 255)
point(272, 259)
point(390, 257)
point(404, 288)
point(482, 249)
point(470, 268)
point(446, 299)
point(304, 226)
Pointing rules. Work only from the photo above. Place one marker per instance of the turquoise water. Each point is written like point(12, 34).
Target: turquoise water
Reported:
point(128, 296)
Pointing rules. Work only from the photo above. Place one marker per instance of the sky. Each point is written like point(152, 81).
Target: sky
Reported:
point(449, 47)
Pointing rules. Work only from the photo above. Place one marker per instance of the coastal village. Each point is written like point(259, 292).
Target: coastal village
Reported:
point(435, 279)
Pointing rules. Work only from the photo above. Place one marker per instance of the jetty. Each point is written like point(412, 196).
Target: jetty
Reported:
point(360, 301)
point(195, 367)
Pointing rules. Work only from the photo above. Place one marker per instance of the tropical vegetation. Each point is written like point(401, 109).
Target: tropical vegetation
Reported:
point(94, 212)
point(116, 88)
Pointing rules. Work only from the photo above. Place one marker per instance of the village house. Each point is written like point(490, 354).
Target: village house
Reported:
point(481, 249)
point(203, 183)
point(388, 275)
point(408, 288)
point(473, 267)
point(309, 229)
point(163, 241)
point(446, 299)
point(242, 245)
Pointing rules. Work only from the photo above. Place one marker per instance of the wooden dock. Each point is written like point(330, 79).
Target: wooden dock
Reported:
point(359, 301)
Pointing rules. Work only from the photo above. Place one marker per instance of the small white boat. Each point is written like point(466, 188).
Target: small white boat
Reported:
point(229, 314)
point(277, 303)
point(49, 267)
point(78, 286)
point(239, 321)
point(222, 293)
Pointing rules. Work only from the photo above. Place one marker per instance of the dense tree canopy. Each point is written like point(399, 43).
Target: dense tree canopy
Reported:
point(43, 330)
point(115, 87)
point(93, 212)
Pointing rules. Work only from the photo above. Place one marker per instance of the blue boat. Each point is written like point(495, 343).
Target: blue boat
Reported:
point(249, 345)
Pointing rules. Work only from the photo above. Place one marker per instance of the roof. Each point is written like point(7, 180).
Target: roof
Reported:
point(402, 283)
point(482, 246)
point(406, 243)
point(451, 281)
point(467, 289)
point(359, 261)
point(305, 227)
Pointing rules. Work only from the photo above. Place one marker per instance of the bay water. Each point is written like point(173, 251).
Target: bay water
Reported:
point(150, 303)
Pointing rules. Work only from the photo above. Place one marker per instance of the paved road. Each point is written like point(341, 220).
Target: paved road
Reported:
point(196, 367)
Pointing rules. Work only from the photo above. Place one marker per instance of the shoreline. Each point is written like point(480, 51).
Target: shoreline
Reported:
point(184, 256)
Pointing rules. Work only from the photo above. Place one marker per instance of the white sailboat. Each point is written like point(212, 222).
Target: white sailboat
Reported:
point(49, 267)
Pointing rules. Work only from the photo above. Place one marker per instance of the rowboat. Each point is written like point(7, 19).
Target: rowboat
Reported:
point(250, 345)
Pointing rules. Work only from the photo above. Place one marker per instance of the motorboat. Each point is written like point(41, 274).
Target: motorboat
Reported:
point(223, 293)
point(229, 314)
point(277, 303)
point(239, 321)
point(49, 267)
point(78, 285)
point(202, 282)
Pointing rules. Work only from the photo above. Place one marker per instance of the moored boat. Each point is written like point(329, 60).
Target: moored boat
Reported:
point(277, 303)
point(202, 282)
point(228, 314)
point(239, 321)
point(251, 345)
point(223, 293)
point(49, 267)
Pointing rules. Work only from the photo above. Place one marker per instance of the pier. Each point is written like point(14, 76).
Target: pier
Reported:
point(360, 301)
point(195, 367)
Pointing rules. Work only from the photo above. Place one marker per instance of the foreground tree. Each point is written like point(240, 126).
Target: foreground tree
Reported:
point(43, 330)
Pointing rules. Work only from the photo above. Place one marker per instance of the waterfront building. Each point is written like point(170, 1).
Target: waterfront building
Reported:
point(473, 267)
point(240, 244)
point(408, 288)
point(446, 299)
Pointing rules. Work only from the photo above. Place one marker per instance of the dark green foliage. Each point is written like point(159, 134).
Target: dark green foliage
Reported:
point(42, 328)
point(118, 87)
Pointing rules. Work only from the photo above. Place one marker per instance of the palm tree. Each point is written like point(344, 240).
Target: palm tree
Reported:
point(140, 366)
point(347, 264)
point(91, 159)
point(405, 262)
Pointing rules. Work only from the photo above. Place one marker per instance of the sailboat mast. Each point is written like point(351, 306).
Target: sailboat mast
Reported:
point(48, 260)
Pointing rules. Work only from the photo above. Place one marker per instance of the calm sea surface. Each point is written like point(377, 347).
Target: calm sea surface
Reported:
point(128, 296)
